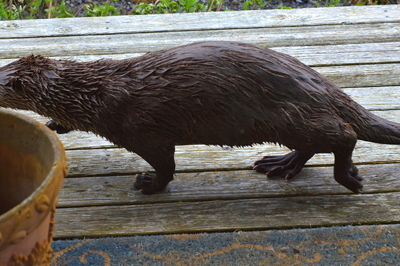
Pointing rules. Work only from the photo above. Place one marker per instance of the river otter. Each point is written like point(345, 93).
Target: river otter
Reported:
point(214, 93)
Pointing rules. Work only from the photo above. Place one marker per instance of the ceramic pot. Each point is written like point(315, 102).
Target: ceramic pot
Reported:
point(32, 169)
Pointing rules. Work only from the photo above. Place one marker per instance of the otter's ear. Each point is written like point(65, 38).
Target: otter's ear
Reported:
point(5, 76)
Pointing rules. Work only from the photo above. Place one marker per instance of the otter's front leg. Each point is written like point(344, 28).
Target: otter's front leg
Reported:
point(161, 158)
point(53, 125)
point(286, 166)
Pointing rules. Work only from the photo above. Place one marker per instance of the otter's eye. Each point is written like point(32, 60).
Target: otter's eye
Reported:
point(16, 84)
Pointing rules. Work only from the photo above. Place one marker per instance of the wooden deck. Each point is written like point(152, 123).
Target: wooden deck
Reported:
point(215, 190)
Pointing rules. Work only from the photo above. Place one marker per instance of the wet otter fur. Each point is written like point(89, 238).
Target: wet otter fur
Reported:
point(214, 93)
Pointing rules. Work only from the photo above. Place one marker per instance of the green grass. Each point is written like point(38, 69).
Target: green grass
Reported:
point(169, 6)
point(39, 9)
point(33, 9)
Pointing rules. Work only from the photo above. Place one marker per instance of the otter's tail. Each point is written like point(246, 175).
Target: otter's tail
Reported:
point(376, 129)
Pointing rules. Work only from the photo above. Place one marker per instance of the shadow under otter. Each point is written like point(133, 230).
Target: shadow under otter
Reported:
point(214, 93)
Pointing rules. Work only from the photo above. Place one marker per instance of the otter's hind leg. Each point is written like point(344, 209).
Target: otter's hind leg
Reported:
point(162, 160)
point(345, 172)
point(286, 166)
point(333, 135)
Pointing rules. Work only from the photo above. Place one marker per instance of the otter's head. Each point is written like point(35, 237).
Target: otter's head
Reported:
point(23, 83)
point(8, 95)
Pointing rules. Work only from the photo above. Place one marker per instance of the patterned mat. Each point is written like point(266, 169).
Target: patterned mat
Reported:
point(349, 245)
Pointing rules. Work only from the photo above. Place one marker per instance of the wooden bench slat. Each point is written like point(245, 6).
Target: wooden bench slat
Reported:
point(220, 215)
point(325, 55)
point(362, 75)
point(118, 190)
point(117, 161)
point(209, 21)
point(344, 54)
point(376, 98)
point(145, 42)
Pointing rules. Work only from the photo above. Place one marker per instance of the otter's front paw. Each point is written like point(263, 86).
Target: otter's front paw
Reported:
point(147, 184)
point(53, 125)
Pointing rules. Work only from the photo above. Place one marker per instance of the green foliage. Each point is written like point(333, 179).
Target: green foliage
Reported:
point(144, 9)
point(162, 7)
point(35, 8)
point(166, 6)
point(191, 6)
point(59, 11)
point(7, 12)
point(62, 11)
point(32, 9)
point(254, 4)
point(94, 10)
point(214, 5)
point(169, 6)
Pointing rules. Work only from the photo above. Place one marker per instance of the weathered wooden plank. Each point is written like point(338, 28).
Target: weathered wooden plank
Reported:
point(322, 55)
point(201, 186)
point(209, 21)
point(221, 215)
point(145, 42)
point(376, 98)
point(116, 161)
point(343, 54)
point(362, 75)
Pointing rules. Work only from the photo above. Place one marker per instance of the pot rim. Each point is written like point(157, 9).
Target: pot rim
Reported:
point(59, 161)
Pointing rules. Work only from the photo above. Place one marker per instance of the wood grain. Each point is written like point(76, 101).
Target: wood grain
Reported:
point(321, 55)
point(222, 185)
point(228, 215)
point(209, 21)
point(146, 42)
point(113, 161)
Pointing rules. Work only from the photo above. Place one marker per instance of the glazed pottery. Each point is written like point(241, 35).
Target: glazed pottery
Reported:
point(32, 169)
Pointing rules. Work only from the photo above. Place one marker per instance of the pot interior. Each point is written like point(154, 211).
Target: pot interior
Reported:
point(26, 158)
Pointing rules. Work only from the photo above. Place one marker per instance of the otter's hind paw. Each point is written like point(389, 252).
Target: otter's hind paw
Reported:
point(286, 166)
point(146, 184)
